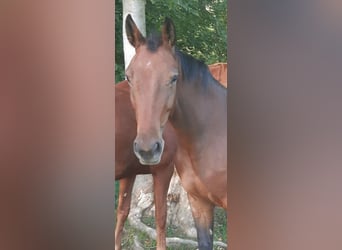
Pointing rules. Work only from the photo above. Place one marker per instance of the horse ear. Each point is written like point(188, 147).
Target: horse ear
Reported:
point(169, 32)
point(134, 35)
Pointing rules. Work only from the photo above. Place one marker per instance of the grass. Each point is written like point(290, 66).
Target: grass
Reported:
point(220, 231)
point(116, 193)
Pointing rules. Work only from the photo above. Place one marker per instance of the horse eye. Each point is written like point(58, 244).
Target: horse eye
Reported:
point(174, 79)
point(128, 80)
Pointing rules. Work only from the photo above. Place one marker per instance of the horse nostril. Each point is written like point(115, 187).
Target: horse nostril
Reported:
point(135, 146)
point(157, 147)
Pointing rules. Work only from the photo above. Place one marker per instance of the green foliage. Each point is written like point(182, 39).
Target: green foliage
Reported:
point(201, 28)
point(119, 56)
point(220, 224)
point(116, 193)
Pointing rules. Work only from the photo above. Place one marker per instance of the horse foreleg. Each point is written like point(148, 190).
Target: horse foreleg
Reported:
point(122, 211)
point(161, 181)
point(202, 212)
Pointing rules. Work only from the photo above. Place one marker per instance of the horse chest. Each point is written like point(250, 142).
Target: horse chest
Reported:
point(189, 178)
point(198, 173)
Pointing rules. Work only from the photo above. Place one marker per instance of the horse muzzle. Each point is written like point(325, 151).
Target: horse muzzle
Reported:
point(148, 152)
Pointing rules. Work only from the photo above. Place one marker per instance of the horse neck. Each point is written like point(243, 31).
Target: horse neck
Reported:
point(200, 108)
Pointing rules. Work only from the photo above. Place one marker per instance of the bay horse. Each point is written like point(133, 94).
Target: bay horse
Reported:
point(127, 166)
point(169, 85)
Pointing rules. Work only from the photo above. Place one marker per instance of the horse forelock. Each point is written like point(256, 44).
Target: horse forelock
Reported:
point(154, 41)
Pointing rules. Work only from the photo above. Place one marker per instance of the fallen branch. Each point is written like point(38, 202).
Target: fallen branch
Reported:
point(135, 221)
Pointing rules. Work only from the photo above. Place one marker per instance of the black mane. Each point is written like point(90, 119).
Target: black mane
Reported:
point(195, 71)
point(192, 69)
